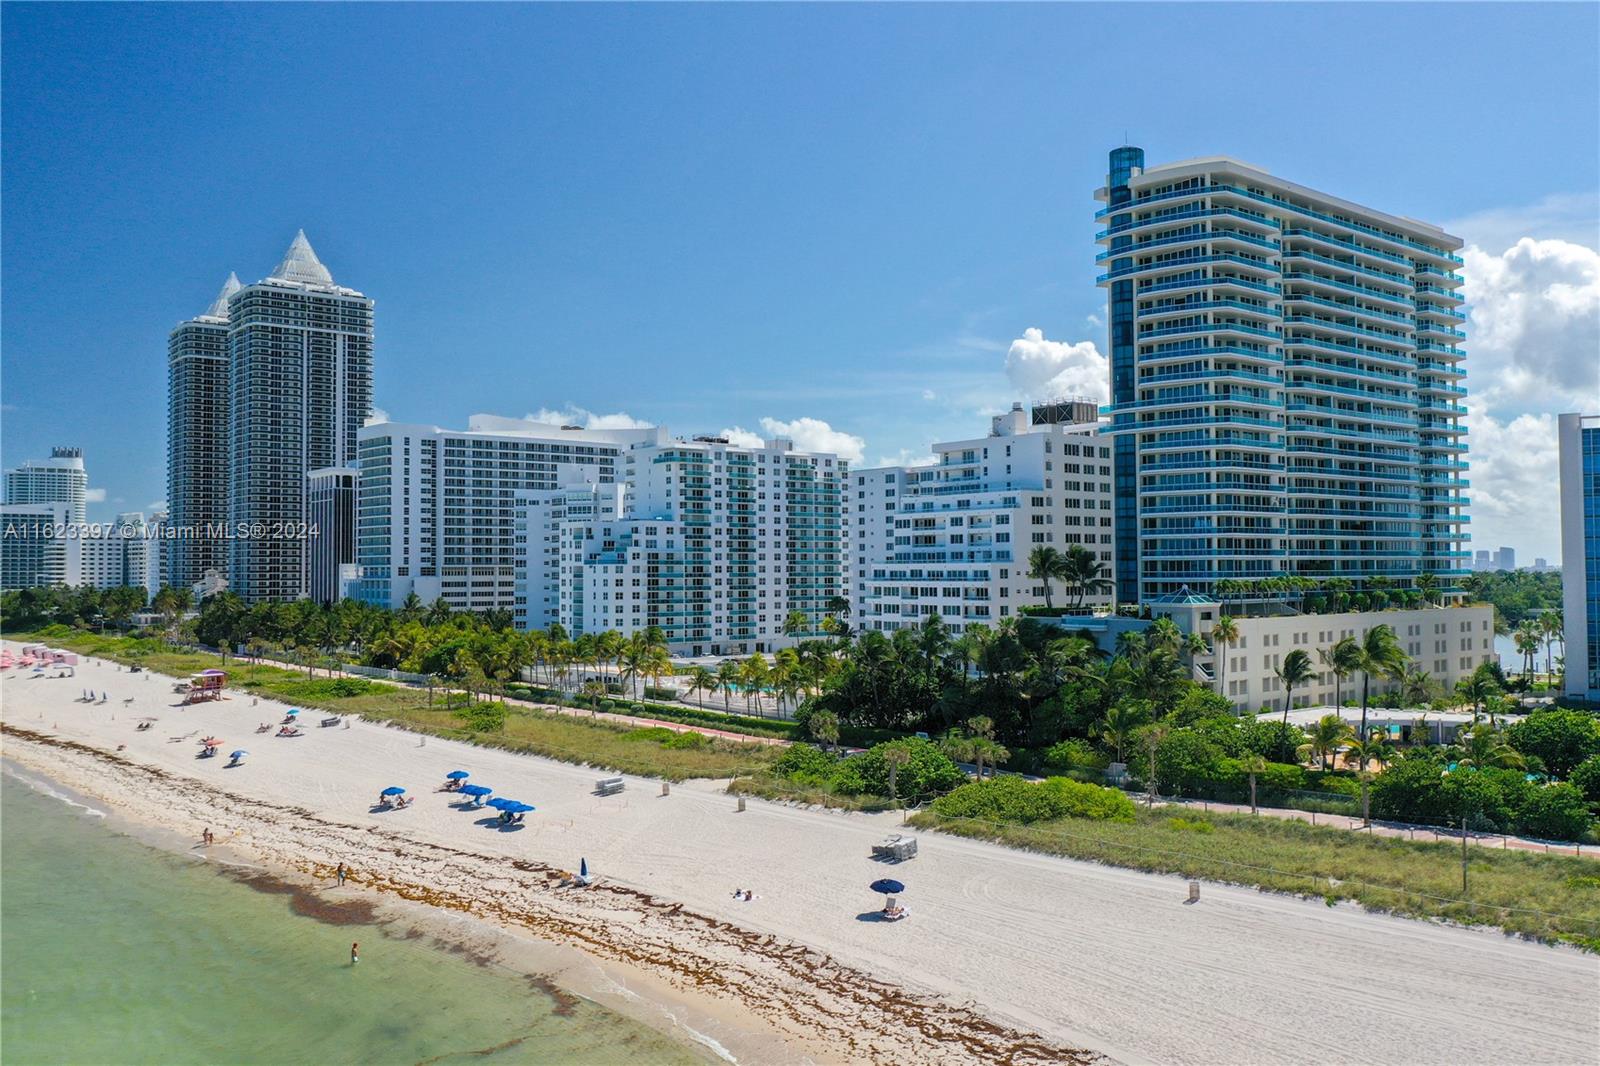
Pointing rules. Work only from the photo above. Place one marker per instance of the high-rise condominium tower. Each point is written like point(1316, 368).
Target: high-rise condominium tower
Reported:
point(1286, 384)
point(1579, 439)
point(58, 479)
point(300, 383)
point(197, 441)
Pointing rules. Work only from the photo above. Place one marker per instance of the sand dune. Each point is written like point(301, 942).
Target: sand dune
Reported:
point(1007, 956)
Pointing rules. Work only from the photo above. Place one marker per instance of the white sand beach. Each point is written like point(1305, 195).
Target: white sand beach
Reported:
point(1007, 956)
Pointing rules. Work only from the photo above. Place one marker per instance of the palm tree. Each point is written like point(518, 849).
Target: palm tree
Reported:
point(1358, 753)
point(729, 675)
point(1478, 690)
point(1381, 657)
point(1428, 586)
point(1295, 670)
point(1046, 564)
point(1326, 737)
point(1527, 639)
point(1344, 659)
point(1417, 686)
point(795, 623)
point(824, 727)
point(895, 756)
point(1482, 746)
point(702, 679)
point(1550, 630)
point(1252, 764)
point(985, 750)
point(1083, 574)
point(1122, 720)
point(753, 674)
point(1224, 635)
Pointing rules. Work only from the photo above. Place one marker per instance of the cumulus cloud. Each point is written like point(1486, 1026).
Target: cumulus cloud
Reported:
point(815, 435)
point(572, 415)
point(1040, 368)
point(378, 415)
point(157, 507)
point(94, 495)
point(740, 437)
point(1513, 493)
point(1534, 314)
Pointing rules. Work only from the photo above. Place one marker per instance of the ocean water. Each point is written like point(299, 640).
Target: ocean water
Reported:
point(115, 951)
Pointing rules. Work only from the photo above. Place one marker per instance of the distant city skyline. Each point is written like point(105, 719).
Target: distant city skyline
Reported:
point(866, 246)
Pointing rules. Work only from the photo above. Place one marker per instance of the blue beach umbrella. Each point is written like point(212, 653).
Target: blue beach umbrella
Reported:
point(393, 790)
point(517, 807)
point(476, 790)
point(293, 711)
point(238, 755)
point(583, 867)
point(457, 775)
point(887, 887)
point(499, 803)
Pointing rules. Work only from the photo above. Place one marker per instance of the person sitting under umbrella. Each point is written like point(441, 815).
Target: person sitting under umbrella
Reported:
point(454, 780)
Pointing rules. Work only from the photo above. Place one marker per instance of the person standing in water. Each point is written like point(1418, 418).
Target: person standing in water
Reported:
point(355, 955)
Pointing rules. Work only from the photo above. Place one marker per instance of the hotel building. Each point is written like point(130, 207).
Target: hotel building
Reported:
point(300, 387)
point(715, 542)
point(1579, 441)
point(124, 553)
point(58, 479)
point(953, 538)
point(33, 553)
point(197, 440)
point(1286, 389)
point(437, 510)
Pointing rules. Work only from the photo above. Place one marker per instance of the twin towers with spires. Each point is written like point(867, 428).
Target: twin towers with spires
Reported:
point(266, 387)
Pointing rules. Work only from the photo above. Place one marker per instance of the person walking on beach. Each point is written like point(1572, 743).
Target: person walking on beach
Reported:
point(355, 956)
point(339, 873)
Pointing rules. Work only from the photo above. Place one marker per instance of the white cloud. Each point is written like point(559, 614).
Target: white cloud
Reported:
point(740, 437)
point(907, 457)
point(815, 435)
point(929, 394)
point(156, 507)
point(573, 415)
point(94, 495)
point(1513, 493)
point(378, 415)
point(1043, 369)
point(1534, 313)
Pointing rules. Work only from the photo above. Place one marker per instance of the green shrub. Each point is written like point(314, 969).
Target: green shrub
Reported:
point(1343, 784)
point(327, 688)
point(483, 717)
point(1186, 762)
point(928, 773)
point(1074, 754)
point(651, 692)
point(1554, 812)
point(1015, 799)
point(1560, 738)
point(1187, 825)
point(1585, 777)
point(681, 741)
point(1198, 703)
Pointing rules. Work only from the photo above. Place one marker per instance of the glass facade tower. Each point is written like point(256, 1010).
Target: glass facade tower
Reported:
point(300, 386)
point(1286, 385)
point(197, 441)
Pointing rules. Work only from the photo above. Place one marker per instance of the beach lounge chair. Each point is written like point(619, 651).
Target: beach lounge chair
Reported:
point(896, 848)
point(609, 786)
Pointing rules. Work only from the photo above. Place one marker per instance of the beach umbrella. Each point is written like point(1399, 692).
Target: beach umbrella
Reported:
point(887, 886)
point(210, 742)
point(393, 790)
point(293, 711)
point(499, 803)
point(238, 755)
point(583, 867)
point(517, 807)
point(476, 790)
point(457, 775)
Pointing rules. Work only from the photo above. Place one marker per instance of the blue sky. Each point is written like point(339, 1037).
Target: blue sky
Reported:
point(707, 216)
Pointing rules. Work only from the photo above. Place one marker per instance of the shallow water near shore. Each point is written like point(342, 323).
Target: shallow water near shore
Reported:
point(116, 951)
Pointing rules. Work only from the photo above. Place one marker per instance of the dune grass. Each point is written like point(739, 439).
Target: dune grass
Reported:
point(1549, 897)
point(569, 738)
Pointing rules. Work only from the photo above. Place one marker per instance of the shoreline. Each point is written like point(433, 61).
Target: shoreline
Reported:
point(560, 973)
point(683, 993)
point(1009, 954)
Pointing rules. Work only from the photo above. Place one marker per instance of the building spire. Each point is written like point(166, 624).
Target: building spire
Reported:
point(300, 263)
point(219, 306)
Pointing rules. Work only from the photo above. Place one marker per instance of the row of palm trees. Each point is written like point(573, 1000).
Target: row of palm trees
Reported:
point(1536, 631)
point(1078, 569)
point(1425, 586)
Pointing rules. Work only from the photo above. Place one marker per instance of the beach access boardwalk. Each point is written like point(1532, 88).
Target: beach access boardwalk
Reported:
point(1088, 955)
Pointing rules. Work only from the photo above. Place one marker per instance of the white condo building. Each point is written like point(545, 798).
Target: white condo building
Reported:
point(33, 550)
point(58, 479)
point(437, 509)
point(715, 542)
point(197, 440)
point(953, 538)
point(300, 387)
point(1286, 385)
point(123, 552)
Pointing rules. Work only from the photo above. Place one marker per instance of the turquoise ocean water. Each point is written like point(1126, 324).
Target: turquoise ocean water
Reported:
point(114, 951)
